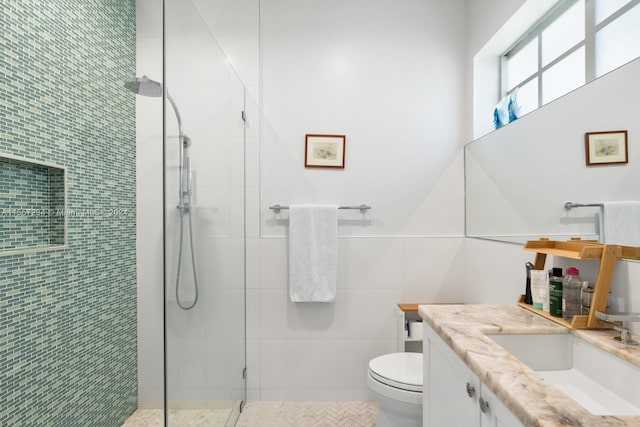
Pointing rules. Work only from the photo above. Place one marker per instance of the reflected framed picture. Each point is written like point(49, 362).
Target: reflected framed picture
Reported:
point(606, 148)
point(324, 151)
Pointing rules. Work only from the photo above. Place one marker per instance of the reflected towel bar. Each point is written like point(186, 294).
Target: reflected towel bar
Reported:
point(570, 205)
point(362, 208)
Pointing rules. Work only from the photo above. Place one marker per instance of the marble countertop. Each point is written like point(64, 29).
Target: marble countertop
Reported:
point(534, 401)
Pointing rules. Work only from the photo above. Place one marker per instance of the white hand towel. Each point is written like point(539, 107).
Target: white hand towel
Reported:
point(621, 223)
point(313, 253)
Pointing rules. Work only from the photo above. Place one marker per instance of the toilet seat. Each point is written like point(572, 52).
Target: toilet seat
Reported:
point(399, 370)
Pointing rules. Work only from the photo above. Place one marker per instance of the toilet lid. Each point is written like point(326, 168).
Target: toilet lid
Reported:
point(400, 370)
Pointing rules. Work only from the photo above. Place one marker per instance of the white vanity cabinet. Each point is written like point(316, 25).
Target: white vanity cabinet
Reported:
point(496, 414)
point(453, 395)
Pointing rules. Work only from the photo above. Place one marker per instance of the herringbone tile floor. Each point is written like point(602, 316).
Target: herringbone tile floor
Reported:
point(308, 414)
point(267, 414)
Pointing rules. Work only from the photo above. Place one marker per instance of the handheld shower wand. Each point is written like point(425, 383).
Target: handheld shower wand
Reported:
point(146, 87)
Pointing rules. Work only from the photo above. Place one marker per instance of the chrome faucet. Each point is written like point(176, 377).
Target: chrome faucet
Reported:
point(625, 333)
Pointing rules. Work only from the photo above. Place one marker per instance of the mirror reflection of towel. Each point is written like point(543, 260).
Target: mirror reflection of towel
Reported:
point(621, 223)
point(313, 253)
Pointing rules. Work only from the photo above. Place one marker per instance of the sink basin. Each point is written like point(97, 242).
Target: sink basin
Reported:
point(601, 382)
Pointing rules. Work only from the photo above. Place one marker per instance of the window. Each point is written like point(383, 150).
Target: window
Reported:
point(576, 42)
point(563, 77)
point(565, 32)
point(616, 43)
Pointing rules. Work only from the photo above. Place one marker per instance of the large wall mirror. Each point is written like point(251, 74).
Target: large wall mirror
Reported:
point(519, 177)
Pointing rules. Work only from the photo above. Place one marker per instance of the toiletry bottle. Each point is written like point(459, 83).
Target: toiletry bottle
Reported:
point(555, 292)
point(571, 286)
point(586, 295)
point(528, 298)
point(540, 289)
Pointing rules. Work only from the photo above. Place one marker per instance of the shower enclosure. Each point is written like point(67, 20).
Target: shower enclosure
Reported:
point(201, 258)
point(98, 310)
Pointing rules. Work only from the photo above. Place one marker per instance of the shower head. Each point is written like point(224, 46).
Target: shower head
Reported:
point(144, 86)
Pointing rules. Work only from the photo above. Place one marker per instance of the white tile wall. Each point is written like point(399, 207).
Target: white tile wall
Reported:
point(374, 79)
point(298, 369)
point(344, 319)
point(436, 263)
point(392, 78)
point(499, 264)
point(396, 88)
point(371, 263)
point(420, 192)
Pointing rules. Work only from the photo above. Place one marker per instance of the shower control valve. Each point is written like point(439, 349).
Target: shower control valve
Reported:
point(184, 208)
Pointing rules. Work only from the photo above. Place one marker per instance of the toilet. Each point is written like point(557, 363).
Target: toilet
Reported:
point(395, 381)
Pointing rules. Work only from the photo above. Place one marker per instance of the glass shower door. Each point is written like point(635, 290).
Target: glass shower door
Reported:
point(204, 225)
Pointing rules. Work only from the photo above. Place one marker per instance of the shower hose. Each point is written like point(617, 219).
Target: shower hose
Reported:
point(193, 261)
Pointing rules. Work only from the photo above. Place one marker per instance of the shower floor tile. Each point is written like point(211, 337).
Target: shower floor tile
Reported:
point(267, 414)
point(179, 418)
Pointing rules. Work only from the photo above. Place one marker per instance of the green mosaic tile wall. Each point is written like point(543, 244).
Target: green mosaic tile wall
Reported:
point(24, 189)
point(56, 207)
point(32, 205)
point(68, 317)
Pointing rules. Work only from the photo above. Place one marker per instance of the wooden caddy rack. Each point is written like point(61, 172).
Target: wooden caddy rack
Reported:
point(582, 249)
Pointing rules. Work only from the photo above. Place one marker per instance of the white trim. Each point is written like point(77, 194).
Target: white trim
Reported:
point(34, 249)
point(28, 160)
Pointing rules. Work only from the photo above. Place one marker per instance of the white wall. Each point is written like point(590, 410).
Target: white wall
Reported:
point(390, 76)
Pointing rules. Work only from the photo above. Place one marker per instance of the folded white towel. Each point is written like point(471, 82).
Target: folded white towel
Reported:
point(621, 223)
point(313, 253)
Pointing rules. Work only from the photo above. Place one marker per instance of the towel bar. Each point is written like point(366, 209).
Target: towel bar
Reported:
point(570, 205)
point(362, 208)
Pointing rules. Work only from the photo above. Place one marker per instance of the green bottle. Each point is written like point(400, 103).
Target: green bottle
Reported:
point(555, 292)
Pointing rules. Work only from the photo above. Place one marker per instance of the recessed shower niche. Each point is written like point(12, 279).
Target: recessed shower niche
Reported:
point(32, 205)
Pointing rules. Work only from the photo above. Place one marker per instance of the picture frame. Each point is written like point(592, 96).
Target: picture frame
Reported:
point(606, 148)
point(324, 151)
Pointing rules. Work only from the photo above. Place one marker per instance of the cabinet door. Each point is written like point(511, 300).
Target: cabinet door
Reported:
point(494, 412)
point(453, 389)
